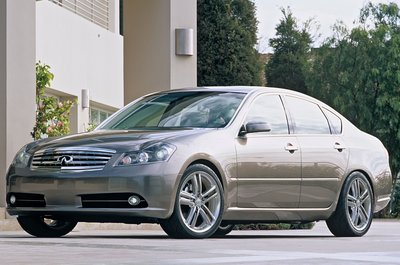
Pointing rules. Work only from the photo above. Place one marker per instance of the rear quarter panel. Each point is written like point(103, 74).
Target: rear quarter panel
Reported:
point(368, 155)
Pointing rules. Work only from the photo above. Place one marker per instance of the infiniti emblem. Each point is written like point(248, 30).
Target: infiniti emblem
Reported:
point(65, 160)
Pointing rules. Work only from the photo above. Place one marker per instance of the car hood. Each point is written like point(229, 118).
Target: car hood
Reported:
point(118, 140)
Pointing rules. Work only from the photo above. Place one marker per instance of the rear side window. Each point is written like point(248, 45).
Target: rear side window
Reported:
point(335, 122)
point(307, 117)
point(269, 108)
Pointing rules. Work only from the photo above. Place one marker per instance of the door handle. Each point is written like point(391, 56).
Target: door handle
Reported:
point(339, 147)
point(291, 148)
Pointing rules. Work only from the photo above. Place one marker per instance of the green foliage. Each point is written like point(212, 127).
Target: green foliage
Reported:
point(358, 72)
point(226, 37)
point(395, 199)
point(52, 117)
point(90, 127)
point(277, 226)
point(43, 79)
point(291, 49)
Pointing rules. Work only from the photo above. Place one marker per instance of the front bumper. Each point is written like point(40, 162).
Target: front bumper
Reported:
point(63, 192)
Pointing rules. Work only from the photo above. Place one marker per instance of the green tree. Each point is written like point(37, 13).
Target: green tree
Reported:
point(291, 47)
point(226, 40)
point(358, 72)
point(52, 116)
point(395, 199)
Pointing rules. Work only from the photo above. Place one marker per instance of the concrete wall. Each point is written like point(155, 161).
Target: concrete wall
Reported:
point(3, 100)
point(150, 63)
point(183, 68)
point(17, 80)
point(114, 16)
point(82, 55)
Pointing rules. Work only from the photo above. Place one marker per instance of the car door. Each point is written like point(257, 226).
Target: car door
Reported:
point(268, 163)
point(324, 154)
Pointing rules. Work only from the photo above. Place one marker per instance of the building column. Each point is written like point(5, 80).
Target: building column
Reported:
point(150, 61)
point(114, 10)
point(17, 81)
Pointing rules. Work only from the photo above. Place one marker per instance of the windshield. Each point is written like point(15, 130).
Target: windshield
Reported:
point(178, 110)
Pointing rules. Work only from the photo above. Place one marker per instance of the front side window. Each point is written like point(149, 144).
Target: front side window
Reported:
point(200, 109)
point(307, 117)
point(269, 108)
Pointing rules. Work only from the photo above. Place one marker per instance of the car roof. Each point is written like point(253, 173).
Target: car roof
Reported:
point(235, 89)
point(255, 90)
point(246, 90)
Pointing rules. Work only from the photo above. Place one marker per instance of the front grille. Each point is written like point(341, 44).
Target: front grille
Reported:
point(111, 200)
point(71, 158)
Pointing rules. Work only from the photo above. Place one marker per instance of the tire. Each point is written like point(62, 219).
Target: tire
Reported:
point(354, 212)
point(41, 227)
point(198, 208)
point(223, 230)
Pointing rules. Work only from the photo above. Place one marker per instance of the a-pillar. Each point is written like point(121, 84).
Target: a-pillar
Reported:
point(150, 59)
point(17, 82)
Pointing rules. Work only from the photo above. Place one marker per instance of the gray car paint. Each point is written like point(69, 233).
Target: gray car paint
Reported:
point(303, 188)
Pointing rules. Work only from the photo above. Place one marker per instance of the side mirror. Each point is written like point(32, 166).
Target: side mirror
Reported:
point(255, 126)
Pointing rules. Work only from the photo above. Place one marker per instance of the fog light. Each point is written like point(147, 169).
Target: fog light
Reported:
point(13, 199)
point(134, 200)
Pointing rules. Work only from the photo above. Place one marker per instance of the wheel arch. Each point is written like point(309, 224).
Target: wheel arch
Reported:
point(224, 183)
point(210, 165)
point(367, 176)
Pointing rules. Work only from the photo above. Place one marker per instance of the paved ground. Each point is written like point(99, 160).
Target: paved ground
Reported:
point(380, 246)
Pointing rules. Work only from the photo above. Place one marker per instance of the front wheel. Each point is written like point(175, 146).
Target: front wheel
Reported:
point(198, 206)
point(223, 230)
point(354, 212)
point(43, 227)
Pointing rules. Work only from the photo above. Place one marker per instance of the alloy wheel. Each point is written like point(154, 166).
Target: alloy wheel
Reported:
point(359, 203)
point(199, 202)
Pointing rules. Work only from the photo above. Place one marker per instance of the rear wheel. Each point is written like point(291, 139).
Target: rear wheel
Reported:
point(42, 227)
point(354, 212)
point(198, 206)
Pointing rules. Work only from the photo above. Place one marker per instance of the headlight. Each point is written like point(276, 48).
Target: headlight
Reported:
point(21, 158)
point(154, 153)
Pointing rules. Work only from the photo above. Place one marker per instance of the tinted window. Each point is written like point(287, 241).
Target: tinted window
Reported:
point(270, 109)
point(307, 117)
point(197, 109)
point(335, 122)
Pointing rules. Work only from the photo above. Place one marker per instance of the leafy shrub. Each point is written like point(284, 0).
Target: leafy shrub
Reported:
point(395, 199)
point(52, 116)
point(278, 226)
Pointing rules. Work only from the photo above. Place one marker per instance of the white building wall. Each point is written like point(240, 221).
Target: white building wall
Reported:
point(183, 68)
point(114, 16)
point(82, 55)
point(17, 82)
point(151, 63)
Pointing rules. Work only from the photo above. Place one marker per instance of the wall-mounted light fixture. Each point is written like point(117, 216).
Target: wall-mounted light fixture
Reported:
point(85, 98)
point(184, 41)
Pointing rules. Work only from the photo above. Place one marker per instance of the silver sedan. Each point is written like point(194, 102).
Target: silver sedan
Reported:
point(199, 160)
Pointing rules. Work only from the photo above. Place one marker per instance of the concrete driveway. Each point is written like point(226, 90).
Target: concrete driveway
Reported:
point(317, 246)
